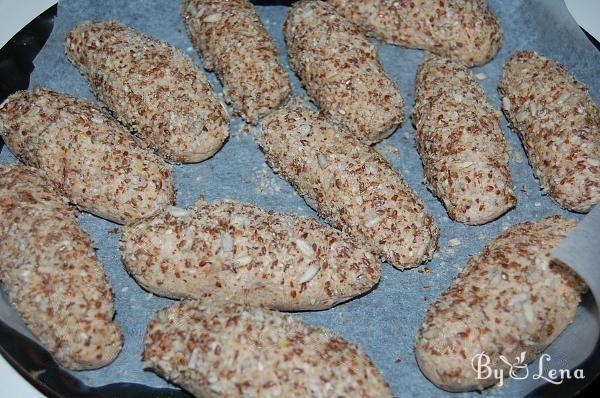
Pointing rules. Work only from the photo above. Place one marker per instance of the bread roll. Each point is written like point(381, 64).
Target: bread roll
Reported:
point(241, 253)
point(234, 43)
point(464, 30)
point(340, 70)
point(511, 300)
point(461, 142)
point(230, 350)
point(349, 184)
point(152, 88)
point(88, 155)
point(49, 270)
point(559, 125)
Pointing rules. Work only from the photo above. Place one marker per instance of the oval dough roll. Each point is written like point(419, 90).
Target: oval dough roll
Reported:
point(464, 30)
point(349, 184)
point(241, 253)
point(50, 272)
point(152, 88)
point(233, 42)
point(88, 155)
point(461, 142)
point(341, 72)
point(559, 125)
point(510, 299)
point(230, 350)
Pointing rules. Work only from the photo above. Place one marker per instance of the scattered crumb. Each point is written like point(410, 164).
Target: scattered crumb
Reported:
point(537, 204)
point(124, 289)
point(454, 242)
point(388, 149)
point(523, 189)
point(267, 183)
point(189, 49)
point(199, 178)
point(457, 266)
point(114, 230)
point(427, 287)
point(243, 130)
point(398, 360)
point(518, 157)
point(424, 270)
point(481, 235)
point(480, 76)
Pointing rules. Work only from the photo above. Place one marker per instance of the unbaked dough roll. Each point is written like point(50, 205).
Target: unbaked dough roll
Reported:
point(230, 350)
point(340, 70)
point(461, 142)
point(349, 184)
point(241, 253)
point(559, 125)
point(49, 270)
point(464, 30)
point(233, 42)
point(511, 300)
point(152, 88)
point(96, 163)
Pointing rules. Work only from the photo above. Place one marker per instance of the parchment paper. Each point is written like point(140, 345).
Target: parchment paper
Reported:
point(384, 322)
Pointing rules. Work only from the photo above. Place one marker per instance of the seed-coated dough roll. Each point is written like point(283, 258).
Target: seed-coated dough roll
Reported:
point(559, 125)
point(509, 299)
point(152, 87)
point(241, 253)
point(233, 42)
point(230, 350)
point(50, 272)
point(460, 139)
point(349, 184)
point(464, 30)
point(88, 155)
point(340, 70)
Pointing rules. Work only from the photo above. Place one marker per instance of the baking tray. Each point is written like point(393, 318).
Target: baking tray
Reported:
point(383, 322)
